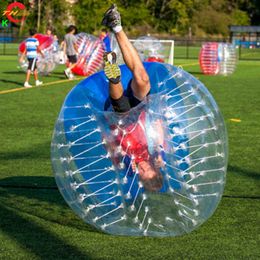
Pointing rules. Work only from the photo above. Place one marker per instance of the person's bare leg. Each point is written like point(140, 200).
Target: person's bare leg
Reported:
point(28, 74)
point(140, 83)
point(115, 90)
point(35, 73)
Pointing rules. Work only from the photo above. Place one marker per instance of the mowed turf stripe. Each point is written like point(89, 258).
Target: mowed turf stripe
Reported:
point(190, 64)
point(43, 85)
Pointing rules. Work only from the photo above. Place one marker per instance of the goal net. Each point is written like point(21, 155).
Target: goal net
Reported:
point(149, 49)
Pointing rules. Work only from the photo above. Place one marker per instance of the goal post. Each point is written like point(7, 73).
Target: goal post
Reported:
point(148, 48)
point(163, 49)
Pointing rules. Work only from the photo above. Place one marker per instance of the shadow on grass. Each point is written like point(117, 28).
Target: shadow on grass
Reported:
point(37, 151)
point(30, 182)
point(58, 75)
point(34, 238)
point(14, 72)
point(12, 81)
point(244, 172)
point(19, 205)
point(194, 73)
point(48, 202)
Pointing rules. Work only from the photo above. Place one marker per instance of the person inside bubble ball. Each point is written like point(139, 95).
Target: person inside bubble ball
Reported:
point(31, 51)
point(50, 33)
point(132, 139)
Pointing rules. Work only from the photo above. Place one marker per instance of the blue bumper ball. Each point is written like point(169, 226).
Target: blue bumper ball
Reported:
point(93, 166)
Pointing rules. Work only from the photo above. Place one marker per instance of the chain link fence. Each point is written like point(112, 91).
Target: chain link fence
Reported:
point(183, 48)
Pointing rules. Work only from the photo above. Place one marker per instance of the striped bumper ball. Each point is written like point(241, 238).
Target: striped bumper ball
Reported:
point(217, 58)
point(90, 59)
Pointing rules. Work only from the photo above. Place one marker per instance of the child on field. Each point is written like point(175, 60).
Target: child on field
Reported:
point(31, 51)
point(71, 50)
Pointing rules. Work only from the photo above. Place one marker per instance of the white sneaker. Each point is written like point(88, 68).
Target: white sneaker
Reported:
point(71, 76)
point(27, 85)
point(38, 83)
point(67, 73)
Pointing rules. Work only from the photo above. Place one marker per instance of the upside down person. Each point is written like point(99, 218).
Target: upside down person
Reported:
point(132, 138)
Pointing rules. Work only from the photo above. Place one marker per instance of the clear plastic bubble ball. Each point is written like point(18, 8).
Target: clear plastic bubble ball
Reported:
point(94, 151)
point(217, 58)
point(48, 46)
point(90, 58)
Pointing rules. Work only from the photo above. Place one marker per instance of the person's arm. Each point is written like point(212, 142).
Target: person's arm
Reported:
point(160, 132)
point(158, 160)
point(64, 47)
point(76, 48)
point(22, 56)
point(75, 45)
point(40, 51)
point(133, 165)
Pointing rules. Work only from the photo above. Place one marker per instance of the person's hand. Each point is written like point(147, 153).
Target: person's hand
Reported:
point(133, 166)
point(21, 60)
point(160, 132)
point(158, 162)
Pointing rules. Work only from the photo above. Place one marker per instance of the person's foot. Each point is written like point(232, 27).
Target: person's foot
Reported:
point(67, 73)
point(27, 85)
point(112, 19)
point(38, 83)
point(71, 76)
point(111, 69)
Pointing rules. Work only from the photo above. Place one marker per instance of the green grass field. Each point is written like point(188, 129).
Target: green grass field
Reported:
point(36, 223)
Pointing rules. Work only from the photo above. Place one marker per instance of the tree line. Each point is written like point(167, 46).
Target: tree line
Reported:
point(199, 18)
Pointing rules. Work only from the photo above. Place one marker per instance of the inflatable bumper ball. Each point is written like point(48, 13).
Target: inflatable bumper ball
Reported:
point(227, 58)
point(90, 59)
point(48, 63)
point(94, 151)
point(217, 58)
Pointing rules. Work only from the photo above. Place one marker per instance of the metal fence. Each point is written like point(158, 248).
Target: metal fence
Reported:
point(183, 48)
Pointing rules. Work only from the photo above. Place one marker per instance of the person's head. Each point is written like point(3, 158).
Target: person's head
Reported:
point(104, 31)
point(32, 31)
point(72, 29)
point(150, 176)
point(49, 31)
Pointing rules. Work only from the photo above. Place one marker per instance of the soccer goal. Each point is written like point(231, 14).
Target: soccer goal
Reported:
point(149, 49)
point(152, 49)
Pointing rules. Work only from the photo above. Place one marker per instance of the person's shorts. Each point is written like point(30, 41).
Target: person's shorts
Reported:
point(126, 101)
point(72, 58)
point(32, 64)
